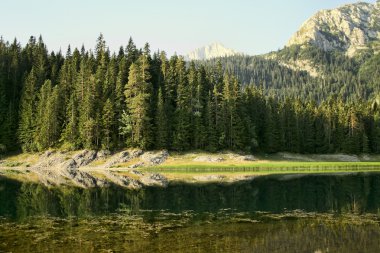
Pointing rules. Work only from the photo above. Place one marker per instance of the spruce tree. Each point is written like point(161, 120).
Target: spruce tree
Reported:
point(138, 93)
point(27, 123)
point(108, 122)
point(70, 135)
point(161, 136)
point(181, 138)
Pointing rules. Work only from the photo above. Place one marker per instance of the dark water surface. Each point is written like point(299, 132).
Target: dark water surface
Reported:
point(279, 213)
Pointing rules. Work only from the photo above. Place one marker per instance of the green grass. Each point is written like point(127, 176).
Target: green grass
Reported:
point(270, 167)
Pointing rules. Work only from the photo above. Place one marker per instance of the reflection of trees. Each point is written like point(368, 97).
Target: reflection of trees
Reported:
point(322, 193)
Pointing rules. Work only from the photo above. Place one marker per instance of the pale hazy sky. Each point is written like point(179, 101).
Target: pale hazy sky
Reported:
point(248, 26)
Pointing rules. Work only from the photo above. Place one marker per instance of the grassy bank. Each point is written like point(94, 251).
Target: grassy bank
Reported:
point(203, 166)
point(199, 172)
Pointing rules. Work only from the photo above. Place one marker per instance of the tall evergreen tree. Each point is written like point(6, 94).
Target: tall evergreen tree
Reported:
point(138, 93)
point(27, 125)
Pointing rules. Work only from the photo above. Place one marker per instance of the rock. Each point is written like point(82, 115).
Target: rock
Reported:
point(340, 157)
point(154, 179)
point(103, 154)
point(134, 166)
point(213, 50)
point(212, 159)
point(155, 158)
point(48, 153)
point(136, 153)
point(136, 172)
point(242, 157)
point(350, 27)
point(366, 157)
point(248, 158)
point(122, 180)
point(80, 178)
point(121, 157)
point(85, 157)
point(296, 157)
point(69, 164)
point(209, 178)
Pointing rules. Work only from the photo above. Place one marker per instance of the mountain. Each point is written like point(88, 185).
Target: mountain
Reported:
point(211, 51)
point(349, 28)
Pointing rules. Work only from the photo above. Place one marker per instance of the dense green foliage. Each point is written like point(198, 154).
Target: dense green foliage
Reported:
point(351, 79)
point(99, 100)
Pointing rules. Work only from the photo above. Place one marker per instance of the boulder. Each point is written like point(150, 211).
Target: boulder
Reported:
point(85, 157)
point(155, 158)
point(103, 154)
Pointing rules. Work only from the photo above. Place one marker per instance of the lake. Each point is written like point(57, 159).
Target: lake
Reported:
point(277, 213)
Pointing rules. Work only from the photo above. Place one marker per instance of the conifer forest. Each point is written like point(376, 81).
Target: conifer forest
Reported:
point(97, 99)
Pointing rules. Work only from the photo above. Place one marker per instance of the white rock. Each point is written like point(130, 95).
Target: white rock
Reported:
point(349, 28)
point(213, 50)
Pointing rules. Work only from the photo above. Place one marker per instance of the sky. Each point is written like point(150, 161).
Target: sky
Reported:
point(176, 26)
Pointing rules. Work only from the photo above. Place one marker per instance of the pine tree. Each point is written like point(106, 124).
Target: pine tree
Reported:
point(161, 140)
point(131, 53)
point(108, 122)
point(138, 93)
point(182, 128)
point(121, 81)
point(237, 130)
point(87, 113)
point(199, 110)
point(27, 125)
point(70, 135)
point(47, 124)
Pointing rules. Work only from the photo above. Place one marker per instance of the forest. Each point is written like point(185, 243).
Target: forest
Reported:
point(135, 98)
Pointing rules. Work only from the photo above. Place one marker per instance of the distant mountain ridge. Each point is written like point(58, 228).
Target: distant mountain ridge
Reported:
point(349, 28)
point(211, 51)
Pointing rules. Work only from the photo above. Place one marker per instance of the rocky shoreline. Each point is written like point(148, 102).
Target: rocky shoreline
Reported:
point(55, 168)
point(131, 168)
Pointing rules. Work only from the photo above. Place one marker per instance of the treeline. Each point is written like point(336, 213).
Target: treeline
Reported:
point(99, 100)
point(352, 79)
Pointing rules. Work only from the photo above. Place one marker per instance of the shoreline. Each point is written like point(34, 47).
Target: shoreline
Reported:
point(135, 168)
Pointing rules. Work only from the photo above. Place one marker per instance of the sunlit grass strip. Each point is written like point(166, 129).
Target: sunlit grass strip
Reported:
point(275, 167)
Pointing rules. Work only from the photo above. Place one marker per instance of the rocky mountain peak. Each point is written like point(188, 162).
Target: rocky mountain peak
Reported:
point(213, 50)
point(349, 28)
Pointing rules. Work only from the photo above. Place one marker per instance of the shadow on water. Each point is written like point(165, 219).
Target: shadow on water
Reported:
point(358, 193)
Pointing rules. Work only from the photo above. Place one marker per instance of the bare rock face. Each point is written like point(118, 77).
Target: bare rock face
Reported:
point(121, 157)
point(155, 158)
point(349, 28)
point(211, 51)
point(85, 157)
point(59, 168)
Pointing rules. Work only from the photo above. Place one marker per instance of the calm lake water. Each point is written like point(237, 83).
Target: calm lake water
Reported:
point(279, 213)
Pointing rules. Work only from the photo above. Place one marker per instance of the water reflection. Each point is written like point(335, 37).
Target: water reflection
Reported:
point(189, 233)
point(354, 193)
point(196, 218)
